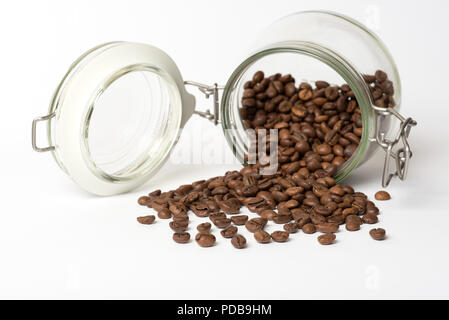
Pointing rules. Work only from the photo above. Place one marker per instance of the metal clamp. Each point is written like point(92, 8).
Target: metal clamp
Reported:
point(402, 155)
point(33, 133)
point(209, 91)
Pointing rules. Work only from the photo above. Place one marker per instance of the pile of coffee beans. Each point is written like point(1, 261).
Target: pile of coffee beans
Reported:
point(319, 128)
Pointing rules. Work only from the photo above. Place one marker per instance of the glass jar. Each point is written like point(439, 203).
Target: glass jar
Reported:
point(118, 112)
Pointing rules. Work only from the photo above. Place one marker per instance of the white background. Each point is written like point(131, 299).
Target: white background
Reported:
point(56, 241)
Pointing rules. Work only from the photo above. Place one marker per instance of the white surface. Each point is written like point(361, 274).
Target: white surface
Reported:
point(56, 241)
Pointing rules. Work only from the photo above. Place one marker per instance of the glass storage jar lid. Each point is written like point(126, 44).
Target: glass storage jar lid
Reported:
point(116, 115)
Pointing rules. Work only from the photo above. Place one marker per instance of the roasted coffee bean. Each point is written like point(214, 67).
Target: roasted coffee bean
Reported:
point(222, 222)
point(267, 214)
point(327, 239)
point(282, 218)
point(280, 236)
point(322, 210)
point(317, 219)
point(262, 236)
point(146, 220)
point(256, 224)
point(230, 206)
point(337, 190)
point(291, 227)
point(205, 239)
point(353, 219)
point(177, 208)
point(336, 219)
point(181, 217)
point(159, 204)
point(178, 226)
point(308, 228)
point(181, 237)
point(382, 196)
point(144, 201)
point(238, 241)
point(377, 234)
point(372, 210)
point(201, 209)
point(164, 214)
point(217, 215)
point(370, 218)
point(204, 227)
point(155, 193)
point(239, 220)
point(327, 227)
point(229, 232)
point(352, 226)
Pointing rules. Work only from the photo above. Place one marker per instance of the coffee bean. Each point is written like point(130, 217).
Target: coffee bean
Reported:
point(230, 206)
point(327, 239)
point(339, 191)
point(377, 234)
point(280, 236)
point(372, 210)
point(177, 208)
point(267, 214)
point(146, 220)
point(291, 227)
point(178, 226)
point(321, 84)
point(164, 214)
point(155, 193)
point(256, 224)
point(327, 227)
point(282, 218)
point(239, 220)
point(229, 232)
point(258, 76)
point(217, 215)
point(336, 219)
point(382, 196)
point(204, 227)
point(205, 239)
point(308, 228)
point(380, 76)
point(353, 219)
point(144, 201)
point(370, 218)
point(181, 217)
point(238, 241)
point(352, 226)
point(262, 236)
point(181, 237)
point(222, 222)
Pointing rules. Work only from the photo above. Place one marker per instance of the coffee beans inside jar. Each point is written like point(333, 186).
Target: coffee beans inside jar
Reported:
point(319, 127)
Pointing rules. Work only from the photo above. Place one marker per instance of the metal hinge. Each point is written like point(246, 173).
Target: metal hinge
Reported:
point(208, 91)
point(403, 155)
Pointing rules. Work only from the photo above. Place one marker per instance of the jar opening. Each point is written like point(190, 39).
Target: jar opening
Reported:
point(131, 124)
point(306, 62)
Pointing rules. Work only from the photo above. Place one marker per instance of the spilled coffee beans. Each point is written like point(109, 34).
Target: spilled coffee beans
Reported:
point(319, 127)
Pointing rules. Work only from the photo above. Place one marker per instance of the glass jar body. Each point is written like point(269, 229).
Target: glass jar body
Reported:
point(314, 46)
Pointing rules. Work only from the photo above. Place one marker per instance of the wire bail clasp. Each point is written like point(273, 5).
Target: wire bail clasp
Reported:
point(34, 134)
point(208, 91)
point(402, 155)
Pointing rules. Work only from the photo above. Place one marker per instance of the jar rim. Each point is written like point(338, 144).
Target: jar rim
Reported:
point(72, 104)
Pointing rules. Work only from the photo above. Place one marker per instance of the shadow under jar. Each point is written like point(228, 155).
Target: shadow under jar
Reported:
point(119, 110)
